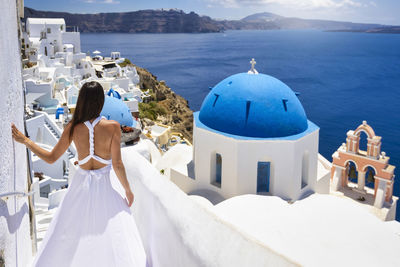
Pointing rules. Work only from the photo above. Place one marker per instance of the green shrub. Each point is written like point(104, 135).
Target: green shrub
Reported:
point(125, 63)
point(150, 110)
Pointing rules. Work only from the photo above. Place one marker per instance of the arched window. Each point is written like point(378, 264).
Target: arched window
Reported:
point(263, 175)
point(305, 169)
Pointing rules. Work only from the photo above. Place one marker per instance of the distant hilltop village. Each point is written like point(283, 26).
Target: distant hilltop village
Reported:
point(248, 189)
point(176, 21)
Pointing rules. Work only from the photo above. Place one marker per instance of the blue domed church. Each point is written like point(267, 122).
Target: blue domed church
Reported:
point(252, 136)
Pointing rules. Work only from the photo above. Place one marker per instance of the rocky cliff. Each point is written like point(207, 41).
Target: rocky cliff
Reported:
point(282, 22)
point(177, 21)
point(386, 29)
point(142, 21)
point(175, 109)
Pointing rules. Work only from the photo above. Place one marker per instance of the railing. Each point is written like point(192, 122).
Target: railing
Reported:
point(71, 28)
point(57, 133)
point(6, 195)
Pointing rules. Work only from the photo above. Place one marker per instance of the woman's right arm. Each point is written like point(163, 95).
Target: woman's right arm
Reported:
point(117, 163)
point(48, 156)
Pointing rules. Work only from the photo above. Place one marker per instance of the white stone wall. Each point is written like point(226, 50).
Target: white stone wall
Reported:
point(55, 35)
point(177, 231)
point(14, 212)
point(239, 164)
point(207, 144)
point(43, 136)
point(33, 87)
point(73, 38)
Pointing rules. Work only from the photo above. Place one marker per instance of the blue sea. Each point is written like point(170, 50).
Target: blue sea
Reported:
point(342, 78)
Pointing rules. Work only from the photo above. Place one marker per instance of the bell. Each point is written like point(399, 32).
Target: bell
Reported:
point(370, 177)
point(352, 172)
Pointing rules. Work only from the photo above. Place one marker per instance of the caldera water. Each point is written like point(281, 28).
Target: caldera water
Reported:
point(343, 78)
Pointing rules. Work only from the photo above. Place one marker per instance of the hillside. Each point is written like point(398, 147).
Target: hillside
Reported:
point(143, 21)
point(298, 23)
point(387, 29)
point(177, 21)
point(392, 29)
point(175, 109)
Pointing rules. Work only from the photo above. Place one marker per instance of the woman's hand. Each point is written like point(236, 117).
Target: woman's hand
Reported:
point(129, 197)
point(17, 135)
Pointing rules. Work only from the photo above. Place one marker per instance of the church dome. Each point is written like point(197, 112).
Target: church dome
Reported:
point(116, 109)
point(253, 105)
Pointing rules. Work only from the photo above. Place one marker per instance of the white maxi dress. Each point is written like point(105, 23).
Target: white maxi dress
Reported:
point(93, 225)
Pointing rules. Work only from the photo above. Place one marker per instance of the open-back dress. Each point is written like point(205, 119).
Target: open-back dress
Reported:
point(93, 225)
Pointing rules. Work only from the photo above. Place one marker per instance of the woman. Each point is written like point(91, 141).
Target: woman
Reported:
point(93, 225)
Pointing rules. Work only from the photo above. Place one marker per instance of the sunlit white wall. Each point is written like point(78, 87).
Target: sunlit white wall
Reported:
point(15, 244)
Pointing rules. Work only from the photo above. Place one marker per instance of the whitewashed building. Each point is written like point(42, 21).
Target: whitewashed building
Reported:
point(246, 230)
point(252, 136)
point(52, 35)
point(54, 64)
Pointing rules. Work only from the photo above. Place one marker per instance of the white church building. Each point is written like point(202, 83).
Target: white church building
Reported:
point(252, 136)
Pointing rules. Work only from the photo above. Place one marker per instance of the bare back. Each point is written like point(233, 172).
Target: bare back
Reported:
point(103, 133)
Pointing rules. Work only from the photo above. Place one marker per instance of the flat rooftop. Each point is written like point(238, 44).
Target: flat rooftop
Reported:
point(321, 230)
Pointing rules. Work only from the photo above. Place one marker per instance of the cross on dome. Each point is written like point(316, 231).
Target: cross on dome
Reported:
point(252, 70)
point(253, 63)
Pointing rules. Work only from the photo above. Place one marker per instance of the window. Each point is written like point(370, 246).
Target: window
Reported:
point(263, 175)
point(44, 191)
point(217, 177)
point(65, 168)
point(304, 169)
point(48, 30)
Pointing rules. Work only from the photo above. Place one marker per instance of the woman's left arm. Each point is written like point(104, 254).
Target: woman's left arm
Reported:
point(48, 156)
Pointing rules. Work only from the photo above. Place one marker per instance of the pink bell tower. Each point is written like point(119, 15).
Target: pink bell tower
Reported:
point(350, 154)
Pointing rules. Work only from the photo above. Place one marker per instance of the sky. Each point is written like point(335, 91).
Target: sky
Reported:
point(365, 11)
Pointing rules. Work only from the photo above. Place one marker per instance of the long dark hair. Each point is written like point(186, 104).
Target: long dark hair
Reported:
point(89, 105)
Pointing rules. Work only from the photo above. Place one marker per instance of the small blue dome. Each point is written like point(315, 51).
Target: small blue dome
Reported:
point(116, 109)
point(253, 105)
point(113, 93)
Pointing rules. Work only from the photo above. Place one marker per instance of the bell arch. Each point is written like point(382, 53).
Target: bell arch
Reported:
point(351, 171)
point(369, 168)
point(370, 173)
point(365, 167)
point(352, 161)
point(364, 127)
point(363, 141)
point(373, 142)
